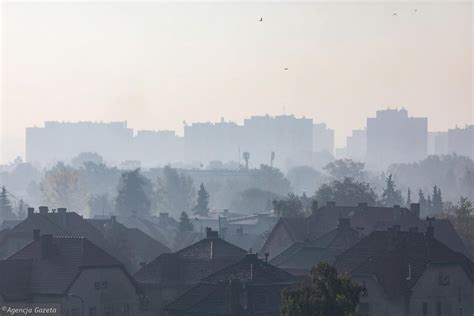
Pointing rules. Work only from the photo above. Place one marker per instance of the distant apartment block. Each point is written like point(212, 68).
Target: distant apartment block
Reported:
point(437, 143)
point(290, 138)
point(323, 138)
point(62, 141)
point(461, 141)
point(356, 145)
point(393, 136)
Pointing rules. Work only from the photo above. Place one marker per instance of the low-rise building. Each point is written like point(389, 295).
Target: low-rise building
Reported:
point(248, 287)
point(364, 218)
point(170, 275)
point(300, 257)
point(69, 273)
point(409, 273)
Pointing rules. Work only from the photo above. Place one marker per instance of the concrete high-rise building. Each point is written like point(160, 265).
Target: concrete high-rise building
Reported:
point(438, 143)
point(323, 138)
point(461, 141)
point(356, 145)
point(289, 137)
point(205, 142)
point(393, 136)
point(62, 141)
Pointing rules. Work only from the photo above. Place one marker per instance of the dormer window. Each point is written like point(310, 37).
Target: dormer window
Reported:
point(443, 279)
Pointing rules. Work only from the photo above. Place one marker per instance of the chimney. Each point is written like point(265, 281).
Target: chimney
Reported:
point(344, 223)
point(113, 218)
point(46, 246)
point(63, 216)
point(415, 209)
point(36, 234)
point(430, 229)
point(43, 210)
point(211, 234)
point(314, 207)
point(31, 211)
point(330, 203)
point(363, 205)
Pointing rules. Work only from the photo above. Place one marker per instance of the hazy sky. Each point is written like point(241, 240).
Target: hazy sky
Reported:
point(159, 64)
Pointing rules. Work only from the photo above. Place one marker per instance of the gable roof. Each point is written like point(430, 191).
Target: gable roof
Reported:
point(15, 278)
point(252, 269)
point(391, 256)
point(301, 256)
point(191, 264)
point(66, 257)
point(214, 294)
point(366, 219)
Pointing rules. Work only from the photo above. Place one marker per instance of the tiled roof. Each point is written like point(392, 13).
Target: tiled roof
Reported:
point(15, 278)
point(301, 256)
point(252, 269)
point(66, 256)
point(389, 255)
point(260, 282)
point(190, 264)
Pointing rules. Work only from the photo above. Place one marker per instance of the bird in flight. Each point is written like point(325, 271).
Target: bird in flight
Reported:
point(416, 10)
point(286, 68)
point(261, 19)
point(394, 14)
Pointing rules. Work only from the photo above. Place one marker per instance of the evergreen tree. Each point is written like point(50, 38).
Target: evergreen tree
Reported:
point(21, 214)
point(391, 196)
point(131, 197)
point(201, 207)
point(422, 201)
point(437, 201)
point(408, 197)
point(6, 210)
point(185, 224)
point(429, 205)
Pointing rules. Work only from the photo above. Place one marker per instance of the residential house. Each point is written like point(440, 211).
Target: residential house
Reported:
point(70, 273)
point(130, 246)
point(248, 287)
point(408, 273)
point(364, 218)
point(170, 275)
point(300, 257)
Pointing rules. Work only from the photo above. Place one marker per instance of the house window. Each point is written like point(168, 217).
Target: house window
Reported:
point(126, 310)
point(425, 309)
point(443, 279)
point(92, 311)
point(364, 308)
point(109, 310)
point(439, 309)
point(97, 285)
point(461, 311)
point(105, 284)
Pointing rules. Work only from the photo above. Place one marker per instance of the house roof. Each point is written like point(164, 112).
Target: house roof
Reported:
point(213, 295)
point(66, 256)
point(301, 256)
point(15, 279)
point(366, 219)
point(391, 256)
point(252, 269)
point(191, 264)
